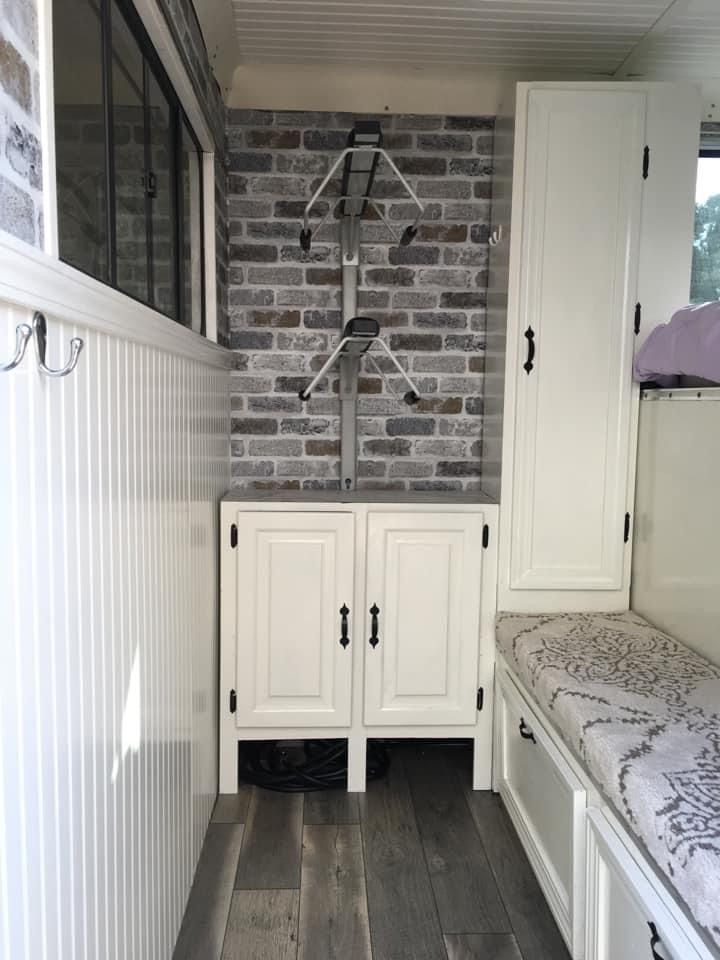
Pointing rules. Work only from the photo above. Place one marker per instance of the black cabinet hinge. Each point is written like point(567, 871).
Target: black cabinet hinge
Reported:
point(480, 698)
point(626, 529)
point(646, 162)
point(233, 535)
point(486, 536)
point(233, 701)
point(638, 315)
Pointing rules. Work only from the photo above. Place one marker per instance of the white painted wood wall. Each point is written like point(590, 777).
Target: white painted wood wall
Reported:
point(109, 483)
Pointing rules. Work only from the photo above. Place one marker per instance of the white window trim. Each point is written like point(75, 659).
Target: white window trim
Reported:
point(154, 22)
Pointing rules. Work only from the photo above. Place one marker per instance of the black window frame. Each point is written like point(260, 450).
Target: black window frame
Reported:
point(179, 119)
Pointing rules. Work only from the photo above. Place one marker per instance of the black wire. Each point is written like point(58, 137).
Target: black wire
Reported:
point(322, 765)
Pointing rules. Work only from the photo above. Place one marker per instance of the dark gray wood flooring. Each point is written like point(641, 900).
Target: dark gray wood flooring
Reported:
point(418, 868)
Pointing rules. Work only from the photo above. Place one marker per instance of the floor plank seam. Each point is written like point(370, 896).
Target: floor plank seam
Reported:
point(365, 873)
point(498, 885)
point(425, 860)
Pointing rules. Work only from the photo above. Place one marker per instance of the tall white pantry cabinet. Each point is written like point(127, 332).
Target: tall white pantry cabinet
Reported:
point(357, 618)
point(600, 245)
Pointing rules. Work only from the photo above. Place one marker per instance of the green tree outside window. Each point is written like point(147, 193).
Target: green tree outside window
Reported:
point(705, 279)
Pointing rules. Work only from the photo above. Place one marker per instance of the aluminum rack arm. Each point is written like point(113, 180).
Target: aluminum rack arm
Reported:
point(376, 150)
point(305, 394)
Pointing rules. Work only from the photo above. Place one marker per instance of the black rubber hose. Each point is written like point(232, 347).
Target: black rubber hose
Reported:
point(324, 766)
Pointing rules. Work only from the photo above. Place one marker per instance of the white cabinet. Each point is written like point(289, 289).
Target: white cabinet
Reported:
point(423, 582)
point(294, 577)
point(608, 899)
point(627, 916)
point(581, 218)
point(546, 801)
point(581, 215)
point(342, 620)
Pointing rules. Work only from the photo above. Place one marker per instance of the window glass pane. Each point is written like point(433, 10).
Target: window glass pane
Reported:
point(163, 200)
point(129, 175)
point(705, 283)
point(80, 136)
point(192, 234)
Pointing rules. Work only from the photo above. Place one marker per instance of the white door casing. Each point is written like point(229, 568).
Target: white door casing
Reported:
point(424, 575)
point(294, 573)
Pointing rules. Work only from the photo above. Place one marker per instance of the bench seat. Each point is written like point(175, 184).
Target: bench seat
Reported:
point(642, 713)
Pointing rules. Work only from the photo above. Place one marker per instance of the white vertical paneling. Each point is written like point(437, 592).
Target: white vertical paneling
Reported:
point(109, 486)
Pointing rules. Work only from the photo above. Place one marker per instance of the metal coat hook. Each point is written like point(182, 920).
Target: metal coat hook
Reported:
point(76, 345)
point(496, 236)
point(22, 335)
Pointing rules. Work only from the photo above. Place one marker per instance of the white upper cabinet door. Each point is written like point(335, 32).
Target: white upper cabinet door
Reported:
point(422, 618)
point(577, 290)
point(294, 576)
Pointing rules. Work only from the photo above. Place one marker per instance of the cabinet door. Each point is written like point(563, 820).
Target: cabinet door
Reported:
point(576, 300)
point(547, 804)
point(627, 916)
point(423, 579)
point(294, 574)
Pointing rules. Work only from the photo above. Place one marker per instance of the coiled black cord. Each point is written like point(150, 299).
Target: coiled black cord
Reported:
point(317, 765)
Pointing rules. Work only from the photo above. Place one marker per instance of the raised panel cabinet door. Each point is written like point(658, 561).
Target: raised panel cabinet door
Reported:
point(294, 577)
point(577, 295)
point(422, 618)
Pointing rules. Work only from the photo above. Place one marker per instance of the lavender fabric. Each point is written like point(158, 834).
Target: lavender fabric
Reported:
point(687, 346)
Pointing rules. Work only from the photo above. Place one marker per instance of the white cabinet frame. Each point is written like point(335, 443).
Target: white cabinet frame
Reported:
point(657, 277)
point(358, 731)
point(604, 851)
point(565, 895)
point(611, 859)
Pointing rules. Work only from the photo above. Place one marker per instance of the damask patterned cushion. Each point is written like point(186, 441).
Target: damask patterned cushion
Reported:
point(642, 713)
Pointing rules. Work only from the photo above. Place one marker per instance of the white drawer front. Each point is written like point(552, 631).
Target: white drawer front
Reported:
point(627, 916)
point(547, 803)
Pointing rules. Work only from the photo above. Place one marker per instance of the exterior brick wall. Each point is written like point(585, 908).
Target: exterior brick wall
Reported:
point(20, 152)
point(429, 297)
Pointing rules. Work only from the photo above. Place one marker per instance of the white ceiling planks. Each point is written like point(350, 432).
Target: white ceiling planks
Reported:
point(589, 36)
point(687, 45)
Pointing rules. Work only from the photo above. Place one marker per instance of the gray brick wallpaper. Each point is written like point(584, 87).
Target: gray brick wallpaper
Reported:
point(429, 297)
point(20, 153)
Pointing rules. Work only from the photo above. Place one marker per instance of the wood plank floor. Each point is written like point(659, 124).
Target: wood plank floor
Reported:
point(418, 868)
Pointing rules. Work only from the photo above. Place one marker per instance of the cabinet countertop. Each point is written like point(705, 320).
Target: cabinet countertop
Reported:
point(437, 498)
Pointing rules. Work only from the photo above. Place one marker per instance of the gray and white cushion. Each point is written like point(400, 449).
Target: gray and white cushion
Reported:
point(642, 712)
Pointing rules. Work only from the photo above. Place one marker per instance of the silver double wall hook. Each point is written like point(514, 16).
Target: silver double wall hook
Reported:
point(76, 345)
point(22, 334)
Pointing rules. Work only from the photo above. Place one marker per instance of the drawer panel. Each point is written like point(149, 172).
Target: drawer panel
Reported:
point(547, 803)
point(627, 917)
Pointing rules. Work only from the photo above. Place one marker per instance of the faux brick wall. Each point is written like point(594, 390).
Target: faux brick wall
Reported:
point(20, 153)
point(429, 298)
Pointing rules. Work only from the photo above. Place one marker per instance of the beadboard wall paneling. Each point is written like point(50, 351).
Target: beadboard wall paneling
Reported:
point(108, 589)
point(429, 297)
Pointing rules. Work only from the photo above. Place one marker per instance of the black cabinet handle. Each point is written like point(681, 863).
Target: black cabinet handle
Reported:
point(525, 731)
point(344, 638)
point(530, 337)
point(654, 941)
point(374, 639)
